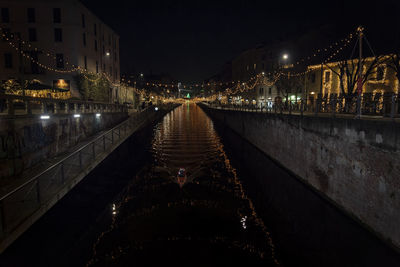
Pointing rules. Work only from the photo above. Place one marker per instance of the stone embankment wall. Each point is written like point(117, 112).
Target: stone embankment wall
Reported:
point(26, 141)
point(353, 163)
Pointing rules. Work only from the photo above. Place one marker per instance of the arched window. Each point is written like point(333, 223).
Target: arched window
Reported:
point(380, 73)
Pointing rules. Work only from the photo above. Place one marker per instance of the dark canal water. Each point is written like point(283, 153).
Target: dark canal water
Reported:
point(236, 208)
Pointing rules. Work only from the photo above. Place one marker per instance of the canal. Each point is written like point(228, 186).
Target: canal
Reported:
point(234, 207)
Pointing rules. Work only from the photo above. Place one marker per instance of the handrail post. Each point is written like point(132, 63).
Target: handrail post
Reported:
point(55, 107)
point(104, 142)
point(28, 108)
point(392, 106)
point(112, 136)
point(10, 105)
point(93, 150)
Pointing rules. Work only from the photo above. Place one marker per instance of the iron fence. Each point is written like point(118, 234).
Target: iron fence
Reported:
point(24, 105)
point(384, 105)
point(22, 202)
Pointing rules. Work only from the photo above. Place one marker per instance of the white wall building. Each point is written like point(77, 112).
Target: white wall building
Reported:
point(60, 35)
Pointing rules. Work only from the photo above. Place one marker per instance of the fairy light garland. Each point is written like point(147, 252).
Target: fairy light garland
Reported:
point(234, 86)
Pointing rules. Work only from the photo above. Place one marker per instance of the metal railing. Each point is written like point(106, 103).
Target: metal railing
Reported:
point(25, 200)
point(24, 105)
point(377, 105)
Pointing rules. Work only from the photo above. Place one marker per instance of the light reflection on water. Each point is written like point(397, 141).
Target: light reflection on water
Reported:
point(210, 213)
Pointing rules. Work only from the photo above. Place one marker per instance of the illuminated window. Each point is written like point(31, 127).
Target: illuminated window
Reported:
point(8, 60)
point(31, 15)
point(32, 35)
point(57, 15)
point(5, 15)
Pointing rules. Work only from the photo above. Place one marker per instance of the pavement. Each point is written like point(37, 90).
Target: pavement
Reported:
point(10, 183)
point(321, 115)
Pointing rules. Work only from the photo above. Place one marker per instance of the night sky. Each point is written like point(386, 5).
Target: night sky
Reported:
point(191, 40)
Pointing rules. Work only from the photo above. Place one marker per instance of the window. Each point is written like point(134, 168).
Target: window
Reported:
point(85, 62)
point(34, 66)
point(83, 21)
point(313, 78)
point(95, 29)
point(95, 45)
point(31, 15)
point(261, 91)
point(32, 35)
point(104, 50)
point(8, 60)
point(84, 39)
point(327, 76)
point(57, 15)
point(104, 67)
point(115, 56)
point(5, 15)
point(270, 91)
point(60, 61)
point(97, 67)
point(110, 71)
point(254, 66)
point(7, 33)
point(58, 35)
point(380, 73)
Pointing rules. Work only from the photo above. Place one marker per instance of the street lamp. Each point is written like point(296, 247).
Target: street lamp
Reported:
point(285, 56)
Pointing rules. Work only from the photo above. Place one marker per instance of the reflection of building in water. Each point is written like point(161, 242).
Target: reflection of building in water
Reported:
point(61, 35)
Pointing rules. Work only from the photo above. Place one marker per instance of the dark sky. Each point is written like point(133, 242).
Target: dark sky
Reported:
point(191, 40)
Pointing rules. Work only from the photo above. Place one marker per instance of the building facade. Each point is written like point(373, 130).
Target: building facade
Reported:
point(324, 79)
point(59, 40)
point(264, 62)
